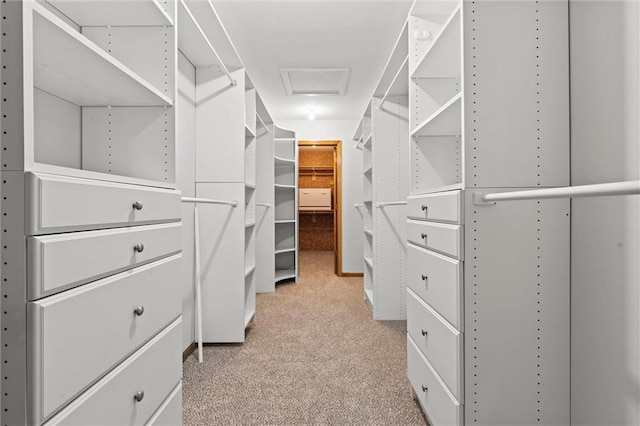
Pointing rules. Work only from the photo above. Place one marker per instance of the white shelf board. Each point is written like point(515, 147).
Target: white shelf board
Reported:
point(278, 222)
point(447, 120)
point(248, 132)
point(123, 13)
point(283, 274)
point(367, 201)
point(368, 261)
point(442, 59)
point(398, 56)
point(368, 292)
point(278, 185)
point(452, 187)
point(368, 232)
point(250, 185)
point(367, 140)
point(279, 161)
point(249, 225)
point(249, 315)
point(71, 67)
point(249, 271)
point(287, 250)
point(88, 174)
point(368, 170)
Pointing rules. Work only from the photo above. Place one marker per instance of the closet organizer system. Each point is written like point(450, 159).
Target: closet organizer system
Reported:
point(487, 284)
point(383, 136)
point(91, 206)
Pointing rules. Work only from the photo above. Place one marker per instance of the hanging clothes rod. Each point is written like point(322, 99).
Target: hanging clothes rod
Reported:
point(208, 201)
point(594, 190)
point(208, 43)
point(391, 203)
point(395, 78)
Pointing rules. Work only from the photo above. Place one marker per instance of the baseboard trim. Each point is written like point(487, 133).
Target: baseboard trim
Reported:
point(352, 274)
point(190, 349)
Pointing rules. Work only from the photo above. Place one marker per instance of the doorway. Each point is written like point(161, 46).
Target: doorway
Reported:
point(320, 186)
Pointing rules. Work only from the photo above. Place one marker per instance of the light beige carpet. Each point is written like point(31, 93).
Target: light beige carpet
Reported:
point(313, 356)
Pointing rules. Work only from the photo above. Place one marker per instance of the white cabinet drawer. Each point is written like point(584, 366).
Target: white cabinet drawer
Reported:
point(437, 280)
point(78, 335)
point(65, 204)
point(440, 343)
point(438, 403)
point(440, 237)
point(61, 261)
point(440, 207)
point(151, 373)
point(170, 412)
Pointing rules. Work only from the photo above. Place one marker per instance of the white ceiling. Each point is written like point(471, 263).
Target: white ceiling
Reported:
point(270, 35)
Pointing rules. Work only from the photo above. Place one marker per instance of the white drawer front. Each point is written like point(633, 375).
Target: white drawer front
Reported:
point(440, 207)
point(437, 280)
point(78, 335)
point(154, 370)
point(61, 261)
point(440, 237)
point(440, 343)
point(439, 405)
point(170, 412)
point(319, 198)
point(64, 204)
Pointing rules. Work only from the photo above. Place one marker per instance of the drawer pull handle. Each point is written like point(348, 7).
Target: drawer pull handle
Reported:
point(139, 396)
point(138, 205)
point(424, 207)
point(138, 248)
point(139, 311)
point(424, 332)
point(424, 388)
point(424, 277)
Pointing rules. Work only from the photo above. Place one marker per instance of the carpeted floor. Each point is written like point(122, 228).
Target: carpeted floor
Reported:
point(313, 356)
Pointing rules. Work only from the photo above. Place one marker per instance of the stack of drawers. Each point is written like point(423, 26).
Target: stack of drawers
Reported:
point(435, 304)
point(104, 302)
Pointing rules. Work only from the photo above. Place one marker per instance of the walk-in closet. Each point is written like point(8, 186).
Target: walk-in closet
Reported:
point(389, 212)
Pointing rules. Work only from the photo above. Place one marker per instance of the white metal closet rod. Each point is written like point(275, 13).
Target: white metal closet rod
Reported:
point(264, 205)
point(390, 203)
point(208, 201)
point(595, 190)
point(395, 78)
point(206, 40)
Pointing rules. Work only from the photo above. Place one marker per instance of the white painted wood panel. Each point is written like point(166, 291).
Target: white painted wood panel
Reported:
point(438, 280)
point(111, 400)
point(59, 204)
point(62, 261)
point(440, 343)
point(440, 237)
point(437, 402)
point(78, 335)
point(170, 412)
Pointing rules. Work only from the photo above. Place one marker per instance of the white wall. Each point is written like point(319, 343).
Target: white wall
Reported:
point(605, 298)
point(185, 179)
point(352, 236)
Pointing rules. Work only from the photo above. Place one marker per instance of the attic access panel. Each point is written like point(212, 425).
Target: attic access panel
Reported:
point(315, 81)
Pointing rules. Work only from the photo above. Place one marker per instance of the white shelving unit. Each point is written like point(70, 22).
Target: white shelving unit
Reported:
point(285, 205)
point(488, 285)
point(226, 165)
point(90, 214)
point(383, 136)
